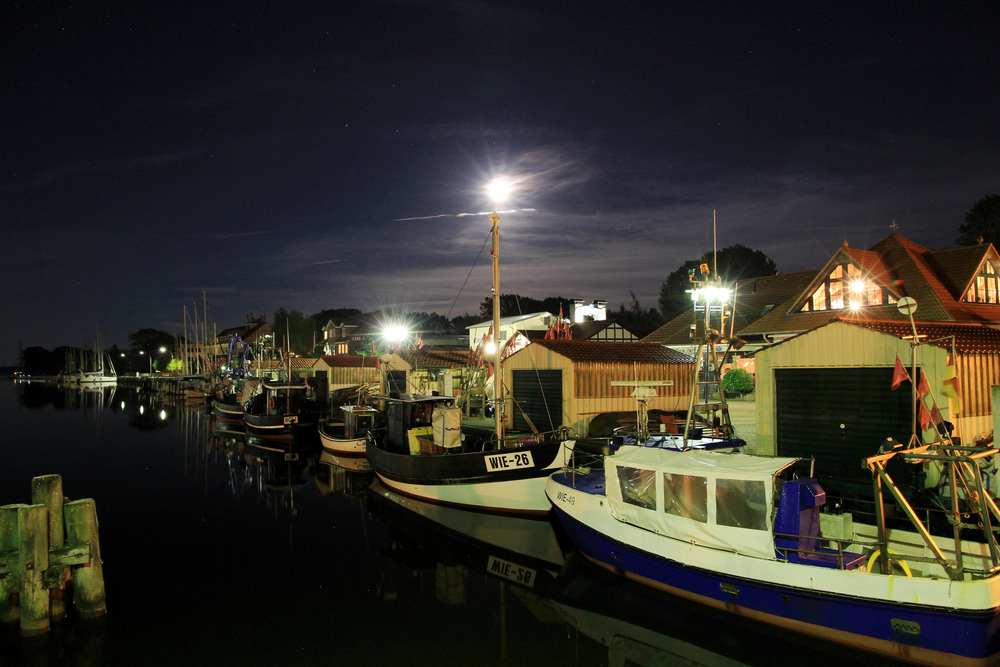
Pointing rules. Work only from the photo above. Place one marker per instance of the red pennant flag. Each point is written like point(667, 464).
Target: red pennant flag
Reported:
point(489, 372)
point(923, 386)
point(923, 416)
point(952, 386)
point(899, 376)
point(936, 415)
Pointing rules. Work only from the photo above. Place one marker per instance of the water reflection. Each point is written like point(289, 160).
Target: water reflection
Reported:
point(454, 587)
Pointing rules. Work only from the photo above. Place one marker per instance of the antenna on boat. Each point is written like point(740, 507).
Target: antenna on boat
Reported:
point(715, 248)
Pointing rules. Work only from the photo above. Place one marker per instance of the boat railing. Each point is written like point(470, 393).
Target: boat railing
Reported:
point(825, 556)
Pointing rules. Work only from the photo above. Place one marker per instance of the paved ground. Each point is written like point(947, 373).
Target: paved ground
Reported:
point(743, 415)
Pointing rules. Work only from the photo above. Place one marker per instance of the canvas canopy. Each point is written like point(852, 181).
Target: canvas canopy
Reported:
point(713, 499)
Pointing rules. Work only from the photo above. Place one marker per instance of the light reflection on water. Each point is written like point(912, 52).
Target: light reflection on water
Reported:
point(219, 551)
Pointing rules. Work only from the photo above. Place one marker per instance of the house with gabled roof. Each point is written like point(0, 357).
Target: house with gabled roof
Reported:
point(755, 298)
point(824, 384)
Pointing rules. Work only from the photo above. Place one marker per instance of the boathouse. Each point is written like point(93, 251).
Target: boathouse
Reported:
point(824, 387)
point(567, 383)
point(340, 372)
point(424, 371)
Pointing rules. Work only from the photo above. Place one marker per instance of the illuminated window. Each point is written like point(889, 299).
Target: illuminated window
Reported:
point(985, 287)
point(846, 285)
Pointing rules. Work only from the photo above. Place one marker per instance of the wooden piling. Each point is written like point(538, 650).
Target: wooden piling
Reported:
point(47, 490)
point(33, 560)
point(88, 580)
point(10, 584)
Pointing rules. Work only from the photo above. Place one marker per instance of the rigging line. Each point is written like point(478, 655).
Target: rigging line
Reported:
point(534, 366)
point(448, 316)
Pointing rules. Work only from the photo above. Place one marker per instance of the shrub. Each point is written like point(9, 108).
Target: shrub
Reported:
point(737, 381)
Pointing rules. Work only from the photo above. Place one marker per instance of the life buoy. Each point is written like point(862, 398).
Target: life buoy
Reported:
point(902, 563)
point(270, 402)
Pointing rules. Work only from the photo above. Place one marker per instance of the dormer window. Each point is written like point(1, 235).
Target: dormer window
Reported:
point(845, 287)
point(984, 287)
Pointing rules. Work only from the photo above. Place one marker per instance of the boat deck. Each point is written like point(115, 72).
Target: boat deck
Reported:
point(592, 482)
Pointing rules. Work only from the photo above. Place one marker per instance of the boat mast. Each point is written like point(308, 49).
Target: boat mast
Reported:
point(497, 374)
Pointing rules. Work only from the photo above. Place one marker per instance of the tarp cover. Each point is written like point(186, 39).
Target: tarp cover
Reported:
point(735, 493)
point(447, 425)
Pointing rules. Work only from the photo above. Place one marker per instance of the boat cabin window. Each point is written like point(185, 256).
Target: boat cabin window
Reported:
point(740, 503)
point(638, 486)
point(420, 414)
point(685, 496)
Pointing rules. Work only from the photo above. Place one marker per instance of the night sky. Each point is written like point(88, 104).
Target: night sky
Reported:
point(319, 155)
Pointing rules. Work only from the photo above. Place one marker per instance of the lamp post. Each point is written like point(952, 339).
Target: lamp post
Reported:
point(498, 189)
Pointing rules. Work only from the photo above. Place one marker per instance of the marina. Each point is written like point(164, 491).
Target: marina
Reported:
point(297, 562)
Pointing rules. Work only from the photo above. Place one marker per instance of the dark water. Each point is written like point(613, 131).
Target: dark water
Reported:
point(214, 555)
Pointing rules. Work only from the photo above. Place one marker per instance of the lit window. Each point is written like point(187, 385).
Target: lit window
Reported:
point(847, 287)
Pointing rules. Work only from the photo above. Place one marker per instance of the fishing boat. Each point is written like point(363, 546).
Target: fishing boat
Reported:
point(422, 452)
point(348, 436)
point(281, 412)
point(740, 532)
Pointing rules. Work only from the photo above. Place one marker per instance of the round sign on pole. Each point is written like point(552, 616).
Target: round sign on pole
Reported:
point(907, 305)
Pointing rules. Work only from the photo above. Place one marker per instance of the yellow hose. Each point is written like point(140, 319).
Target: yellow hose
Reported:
point(902, 563)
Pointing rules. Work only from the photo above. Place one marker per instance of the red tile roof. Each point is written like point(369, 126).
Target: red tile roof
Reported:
point(969, 338)
point(348, 361)
point(607, 352)
point(435, 358)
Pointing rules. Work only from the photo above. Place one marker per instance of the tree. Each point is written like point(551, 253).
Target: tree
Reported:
point(515, 304)
point(982, 223)
point(297, 328)
point(149, 340)
point(737, 381)
point(640, 321)
point(735, 263)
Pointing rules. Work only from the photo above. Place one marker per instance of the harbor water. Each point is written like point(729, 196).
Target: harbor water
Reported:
point(218, 552)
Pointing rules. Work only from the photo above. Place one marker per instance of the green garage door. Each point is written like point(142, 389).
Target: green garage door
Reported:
point(539, 394)
point(840, 416)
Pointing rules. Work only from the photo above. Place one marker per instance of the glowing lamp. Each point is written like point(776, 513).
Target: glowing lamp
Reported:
point(855, 305)
point(491, 348)
point(395, 334)
point(499, 189)
point(857, 286)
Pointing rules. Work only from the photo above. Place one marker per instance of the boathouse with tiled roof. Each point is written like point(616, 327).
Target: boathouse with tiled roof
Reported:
point(568, 383)
point(824, 383)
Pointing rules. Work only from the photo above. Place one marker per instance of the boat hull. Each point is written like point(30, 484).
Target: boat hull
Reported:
point(342, 446)
point(474, 480)
point(228, 413)
point(281, 427)
point(910, 631)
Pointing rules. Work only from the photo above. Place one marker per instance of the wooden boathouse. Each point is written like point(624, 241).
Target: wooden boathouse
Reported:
point(568, 383)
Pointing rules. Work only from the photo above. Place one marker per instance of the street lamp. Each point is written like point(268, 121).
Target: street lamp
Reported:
point(498, 190)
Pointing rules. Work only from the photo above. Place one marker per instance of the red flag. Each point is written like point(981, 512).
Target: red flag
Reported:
point(923, 386)
point(923, 416)
point(489, 371)
point(936, 415)
point(899, 376)
point(420, 342)
point(952, 386)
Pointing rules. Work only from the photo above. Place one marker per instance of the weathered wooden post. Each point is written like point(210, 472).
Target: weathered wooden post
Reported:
point(33, 560)
point(47, 490)
point(10, 585)
point(88, 580)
